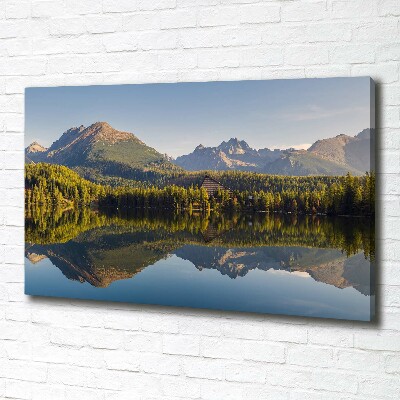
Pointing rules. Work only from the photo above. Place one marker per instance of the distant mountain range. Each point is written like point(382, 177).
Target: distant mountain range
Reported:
point(333, 156)
point(233, 154)
point(102, 151)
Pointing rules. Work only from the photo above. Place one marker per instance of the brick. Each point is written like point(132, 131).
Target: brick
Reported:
point(358, 360)
point(159, 323)
point(189, 325)
point(103, 23)
point(331, 337)
point(111, 6)
point(177, 344)
point(204, 368)
point(48, 391)
point(240, 37)
point(71, 393)
point(304, 11)
point(211, 390)
point(124, 320)
point(218, 58)
point(264, 351)
point(266, 392)
point(11, 29)
point(84, 7)
point(390, 52)
point(311, 356)
point(120, 42)
point(289, 333)
point(67, 375)
point(383, 73)
point(179, 387)
point(47, 8)
point(329, 32)
point(221, 348)
point(377, 341)
point(24, 370)
point(372, 386)
point(218, 16)
point(156, 41)
point(242, 372)
point(389, 8)
point(86, 357)
point(353, 53)
point(66, 26)
point(376, 32)
point(18, 389)
point(146, 342)
point(391, 159)
point(139, 22)
point(105, 339)
point(156, 5)
point(160, 364)
point(391, 294)
point(261, 57)
point(259, 13)
point(306, 55)
point(173, 61)
point(348, 10)
point(122, 360)
point(241, 330)
point(178, 19)
point(18, 9)
point(392, 364)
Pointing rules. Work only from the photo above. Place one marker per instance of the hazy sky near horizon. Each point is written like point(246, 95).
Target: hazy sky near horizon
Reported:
point(176, 117)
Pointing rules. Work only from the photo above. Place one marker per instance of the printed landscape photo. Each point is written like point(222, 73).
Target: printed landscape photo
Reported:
point(255, 196)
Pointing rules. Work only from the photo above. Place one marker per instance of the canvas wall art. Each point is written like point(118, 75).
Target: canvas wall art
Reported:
point(252, 196)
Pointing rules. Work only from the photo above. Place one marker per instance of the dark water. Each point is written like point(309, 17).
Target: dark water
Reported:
point(280, 264)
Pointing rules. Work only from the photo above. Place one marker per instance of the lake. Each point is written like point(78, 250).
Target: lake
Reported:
point(315, 266)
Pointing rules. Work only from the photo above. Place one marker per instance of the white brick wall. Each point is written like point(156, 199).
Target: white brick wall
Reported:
point(64, 349)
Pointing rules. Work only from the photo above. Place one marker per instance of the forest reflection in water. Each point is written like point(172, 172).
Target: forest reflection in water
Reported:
point(275, 263)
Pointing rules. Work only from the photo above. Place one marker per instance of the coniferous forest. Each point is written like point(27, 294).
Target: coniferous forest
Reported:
point(49, 186)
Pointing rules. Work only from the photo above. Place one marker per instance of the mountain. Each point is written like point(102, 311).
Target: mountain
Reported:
point(35, 147)
point(231, 155)
point(328, 266)
point(303, 163)
point(333, 156)
point(101, 150)
point(33, 152)
point(105, 155)
point(348, 151)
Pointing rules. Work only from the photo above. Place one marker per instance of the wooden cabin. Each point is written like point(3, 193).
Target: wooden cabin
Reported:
point(211, 185)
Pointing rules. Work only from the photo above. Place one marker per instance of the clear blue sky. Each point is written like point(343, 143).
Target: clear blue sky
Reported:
point(175, 117)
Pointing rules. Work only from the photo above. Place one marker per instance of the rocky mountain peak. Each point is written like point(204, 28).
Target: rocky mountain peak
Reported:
point(234, 146)
point(103, 131)
point(101, 125)
point(364, 134)
point(67, 137)
point(35, 147)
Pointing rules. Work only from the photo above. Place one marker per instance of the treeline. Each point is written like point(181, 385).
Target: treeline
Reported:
point(50, 184)
point(164, 229)
point(171, 197)
point(344, 196)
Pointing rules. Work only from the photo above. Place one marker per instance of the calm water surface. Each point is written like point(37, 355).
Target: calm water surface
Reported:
point(311, 266)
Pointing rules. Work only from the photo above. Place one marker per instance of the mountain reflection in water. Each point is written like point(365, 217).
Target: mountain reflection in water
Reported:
point(300, 265)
